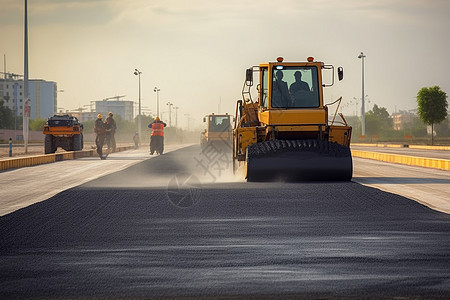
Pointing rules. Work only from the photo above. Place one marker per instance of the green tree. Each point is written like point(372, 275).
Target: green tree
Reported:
point(416, 128)
point(145, 120)
point(88, 127)
point(378, 121)
point(37, 124)
point(355, 123)
point(6, 116)
point(432, 106)
point(443, 128)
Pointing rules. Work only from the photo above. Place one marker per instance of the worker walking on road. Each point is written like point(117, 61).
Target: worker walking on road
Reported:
point(111, 127)
point(100, 130)
point(157, 136)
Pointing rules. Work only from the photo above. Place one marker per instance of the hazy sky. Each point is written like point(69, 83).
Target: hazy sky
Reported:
point(196, 51)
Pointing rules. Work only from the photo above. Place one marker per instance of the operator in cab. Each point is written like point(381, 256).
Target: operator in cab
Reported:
point(157, 136)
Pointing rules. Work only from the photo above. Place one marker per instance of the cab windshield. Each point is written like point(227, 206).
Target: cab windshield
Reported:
point(295, 87)
point(219, 123)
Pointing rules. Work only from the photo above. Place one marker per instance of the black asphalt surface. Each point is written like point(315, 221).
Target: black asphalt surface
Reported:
point(178, 226)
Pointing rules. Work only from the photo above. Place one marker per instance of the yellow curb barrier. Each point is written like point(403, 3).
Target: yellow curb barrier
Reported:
point(443, 164)
point(383, 145)
point(447, 148)
point(28, 161)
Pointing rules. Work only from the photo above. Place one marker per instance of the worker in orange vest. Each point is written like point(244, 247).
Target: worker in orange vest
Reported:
point(157, 136)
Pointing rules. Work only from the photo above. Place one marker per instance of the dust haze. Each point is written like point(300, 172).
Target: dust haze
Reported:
point(157, 172)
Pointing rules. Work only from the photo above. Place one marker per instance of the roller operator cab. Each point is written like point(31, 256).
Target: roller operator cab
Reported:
point(287, 133)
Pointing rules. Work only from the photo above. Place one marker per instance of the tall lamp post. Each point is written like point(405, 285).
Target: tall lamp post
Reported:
point(26, 108)
point(363, 117)
point(170, 113)
point(156, 90)
point(176, 116)
point(138, 73)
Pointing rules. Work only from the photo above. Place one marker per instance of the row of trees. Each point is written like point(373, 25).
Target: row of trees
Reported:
point(123, 126)
point(6, 117)
point(7, 122)
point(431, 109)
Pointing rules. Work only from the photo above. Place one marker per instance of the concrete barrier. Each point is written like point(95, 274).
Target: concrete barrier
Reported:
point(28, 161)
point(20, 162)
point(386, 145)
point(443, 164)
point(447, 148)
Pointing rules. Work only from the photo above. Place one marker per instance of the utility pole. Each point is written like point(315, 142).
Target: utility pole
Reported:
point(363, 117)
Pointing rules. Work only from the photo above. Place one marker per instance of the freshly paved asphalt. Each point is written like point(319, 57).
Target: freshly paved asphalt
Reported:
point(180, 225)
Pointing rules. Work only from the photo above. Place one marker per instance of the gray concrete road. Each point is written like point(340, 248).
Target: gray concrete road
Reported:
point(428, 186)
point(179, 225)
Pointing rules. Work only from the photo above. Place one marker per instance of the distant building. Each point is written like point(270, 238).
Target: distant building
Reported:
point(403, 119)
point(83, 116)
point(43, 96)
point(124, 108)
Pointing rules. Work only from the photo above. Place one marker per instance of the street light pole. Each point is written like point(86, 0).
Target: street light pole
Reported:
point(363, 117)
point(156, 90)
point(26, 108)
point(138, 73)
point(176, 116)
point(170, 113)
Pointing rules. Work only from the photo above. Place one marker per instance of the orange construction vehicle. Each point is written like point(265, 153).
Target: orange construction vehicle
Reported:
point(63, 131)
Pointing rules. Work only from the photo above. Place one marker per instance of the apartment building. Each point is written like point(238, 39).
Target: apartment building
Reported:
point(42, 94)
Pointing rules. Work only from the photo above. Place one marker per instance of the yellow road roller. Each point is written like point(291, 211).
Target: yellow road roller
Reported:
point(288, 133)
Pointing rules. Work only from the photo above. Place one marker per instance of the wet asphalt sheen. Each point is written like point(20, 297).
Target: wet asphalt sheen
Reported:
point(176, 226)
